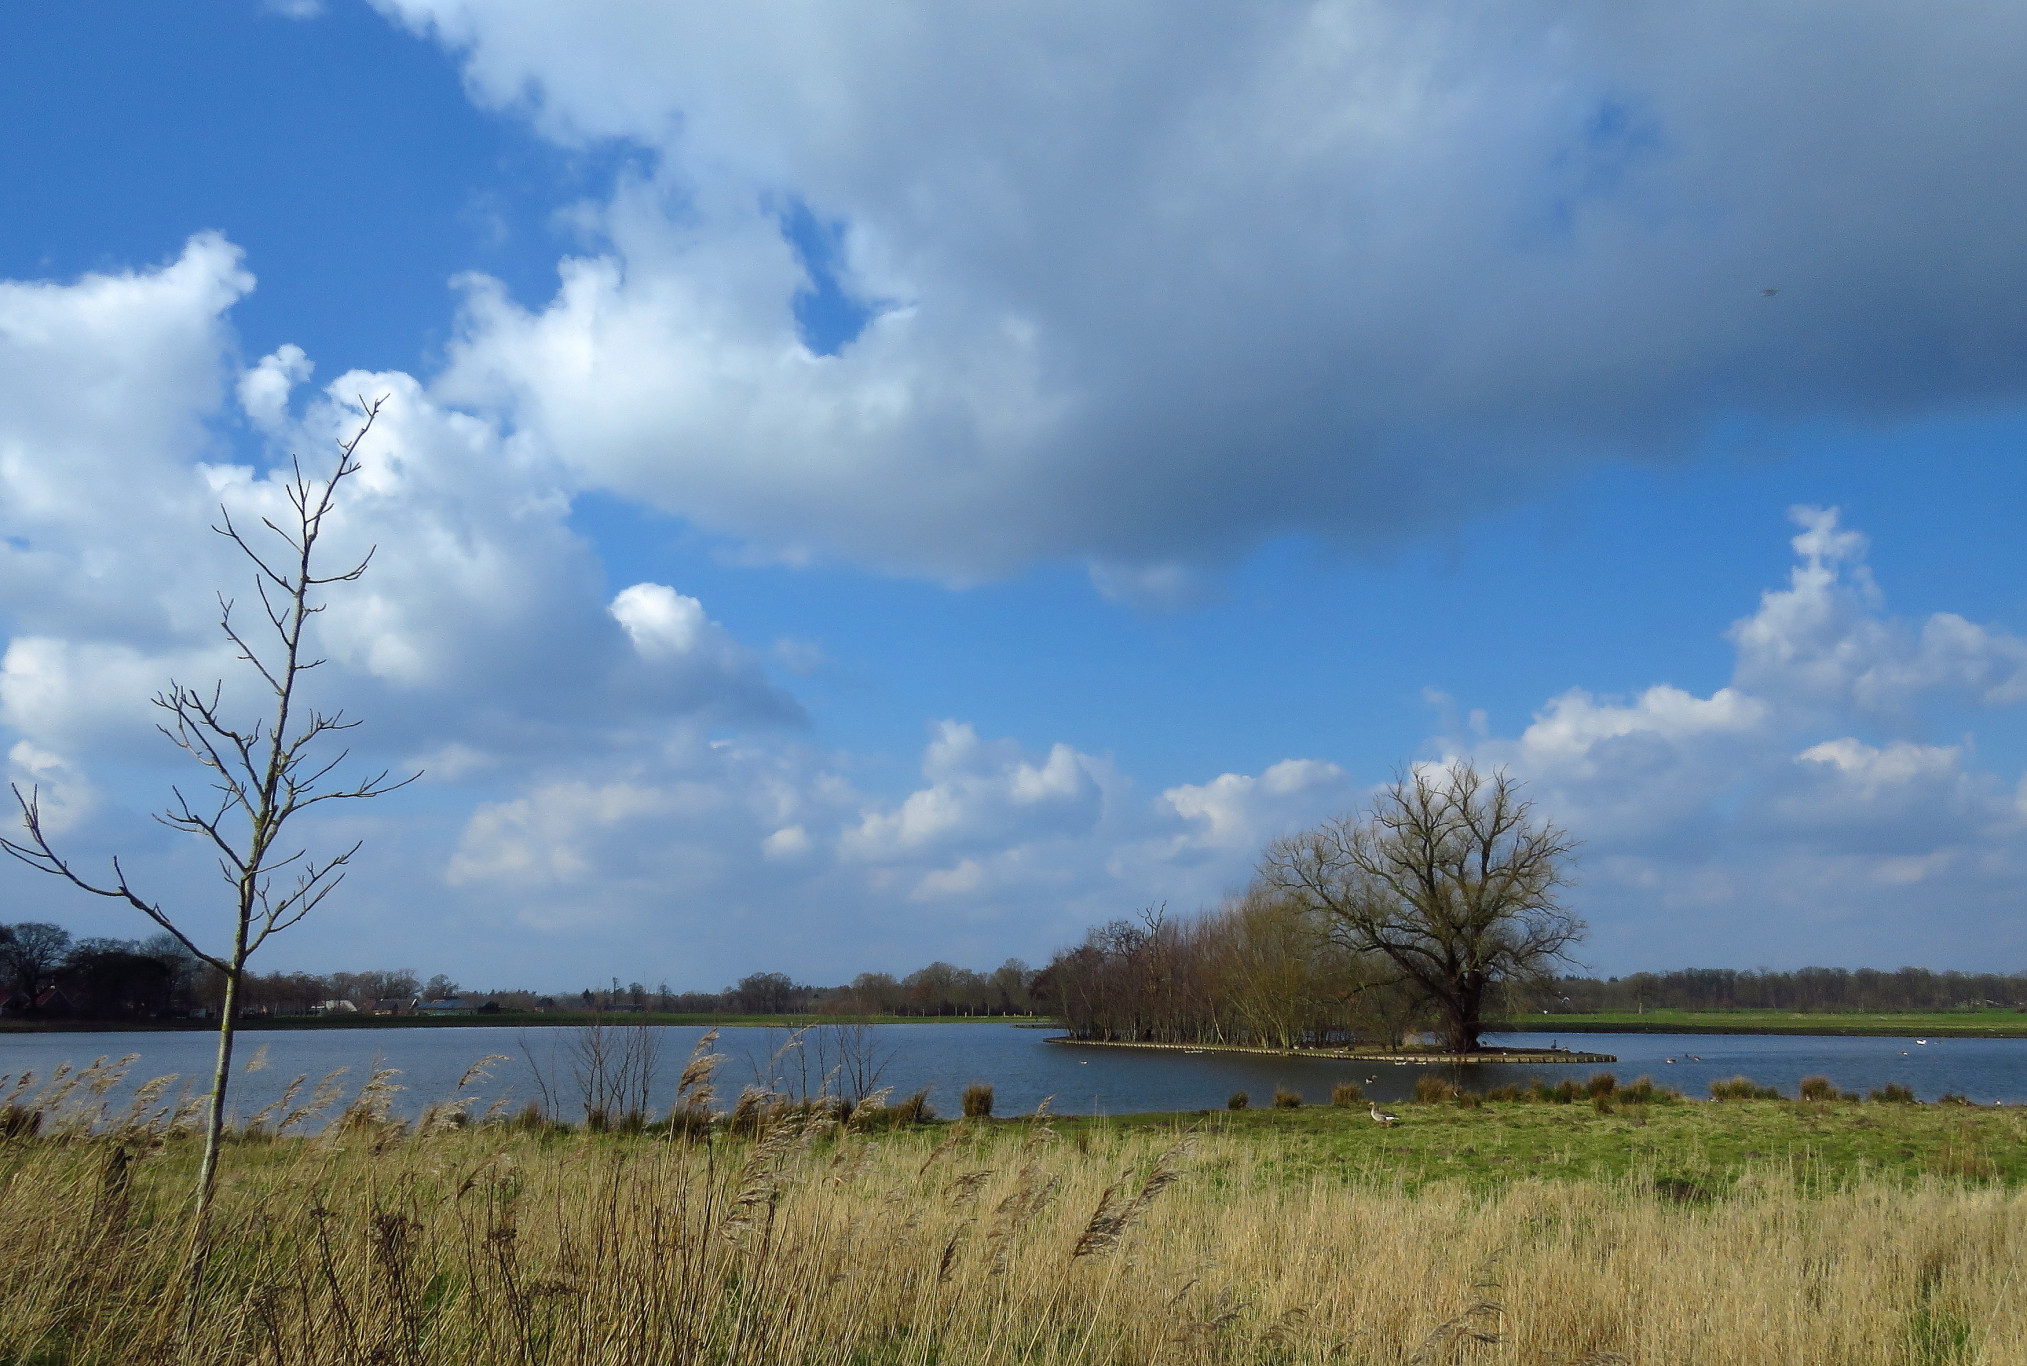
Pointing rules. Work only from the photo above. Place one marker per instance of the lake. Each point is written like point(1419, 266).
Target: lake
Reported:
point(1021, 1065)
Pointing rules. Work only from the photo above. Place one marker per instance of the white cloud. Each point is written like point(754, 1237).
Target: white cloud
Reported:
point(789, 842)
point(663, 623)
point(998, 851)
point(1761, 816)
point(265, 388)
point(983, 791)
point(1146, 288)
point(1236, 811)
point(61, 794)
point(1823, 641)
point(1573, 724)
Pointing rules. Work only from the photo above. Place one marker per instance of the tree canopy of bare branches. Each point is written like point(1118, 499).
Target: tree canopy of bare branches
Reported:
point(262, 772)
point(1450, 877)
point(1258, 971)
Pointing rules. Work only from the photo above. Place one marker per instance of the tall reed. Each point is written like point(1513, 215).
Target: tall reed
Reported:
point(814, 1242)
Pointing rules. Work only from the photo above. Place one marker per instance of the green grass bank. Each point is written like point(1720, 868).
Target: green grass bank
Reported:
point(1994, 1024)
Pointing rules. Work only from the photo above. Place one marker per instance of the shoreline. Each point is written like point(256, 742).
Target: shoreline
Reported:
point(503, 1020)
point(1877, 1028)
point(1514, 1055)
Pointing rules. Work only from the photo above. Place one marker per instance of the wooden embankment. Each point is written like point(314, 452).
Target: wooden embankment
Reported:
point(1529, 1056)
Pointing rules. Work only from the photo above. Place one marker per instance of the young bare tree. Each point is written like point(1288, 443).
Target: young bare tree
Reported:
point(1448, 876)
point(263, 771)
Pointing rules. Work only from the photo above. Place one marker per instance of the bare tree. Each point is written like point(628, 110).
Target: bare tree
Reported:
point(30, 954)
point(1449, 877)
point(263, 772)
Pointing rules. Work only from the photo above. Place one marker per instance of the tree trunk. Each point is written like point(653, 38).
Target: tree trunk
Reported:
point(214, 1118)
point(1460, 1026)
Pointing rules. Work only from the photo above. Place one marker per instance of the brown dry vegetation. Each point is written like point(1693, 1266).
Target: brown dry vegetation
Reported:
point(982, 1243)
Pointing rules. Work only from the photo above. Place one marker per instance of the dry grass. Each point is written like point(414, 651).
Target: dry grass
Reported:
point(984, 1244)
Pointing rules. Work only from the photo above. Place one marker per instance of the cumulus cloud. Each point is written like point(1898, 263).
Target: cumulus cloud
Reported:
point(1237, 811)
point(264, 389)
point(1799, 804)
point(1143, 288)
point(997, 849)
point(1823, 640)
point(480, 643)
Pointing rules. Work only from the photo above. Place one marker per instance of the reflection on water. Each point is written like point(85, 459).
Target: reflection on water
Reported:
point(1020, 1064)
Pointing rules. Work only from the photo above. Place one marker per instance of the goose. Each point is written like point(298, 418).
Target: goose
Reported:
point(1384, 1118)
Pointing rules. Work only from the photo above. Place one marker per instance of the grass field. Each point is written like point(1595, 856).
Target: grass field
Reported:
point(1974, 1023)
point(1535, 1234)
point(1711, 1147)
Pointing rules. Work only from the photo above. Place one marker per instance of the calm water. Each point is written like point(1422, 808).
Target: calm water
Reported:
point(1022, 1067)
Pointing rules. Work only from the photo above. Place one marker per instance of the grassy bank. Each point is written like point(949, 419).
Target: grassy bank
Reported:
point(1506, 1232)
point(1950, 1024)
point(545, 1019)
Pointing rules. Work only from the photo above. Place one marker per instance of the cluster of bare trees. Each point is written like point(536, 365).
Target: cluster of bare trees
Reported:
point(1260, 971)
point(1424, 908)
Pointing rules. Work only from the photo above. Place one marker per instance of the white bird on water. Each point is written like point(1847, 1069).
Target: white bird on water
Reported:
point(1386, 1118)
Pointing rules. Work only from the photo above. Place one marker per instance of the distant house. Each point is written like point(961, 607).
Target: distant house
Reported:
point(449, 1005)
point(52, 1001)
point(334, 1007)
point(394, 1005)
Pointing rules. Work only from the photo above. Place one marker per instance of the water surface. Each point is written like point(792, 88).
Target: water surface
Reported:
point(1021, 1065)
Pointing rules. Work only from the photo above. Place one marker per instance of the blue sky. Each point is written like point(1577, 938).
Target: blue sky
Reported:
point(863, 492)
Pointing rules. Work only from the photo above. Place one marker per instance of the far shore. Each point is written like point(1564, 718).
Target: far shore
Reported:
point(1981, 1024)
point(1984, 1024)
point(547, 1019)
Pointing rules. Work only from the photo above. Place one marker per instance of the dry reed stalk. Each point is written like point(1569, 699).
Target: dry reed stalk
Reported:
point(1116, 1214)
point(279, 1106)
point(693, 1087)
point(323, 1098)
point(950, 1140)
point(484, 1246)
point(759, 1184)
point(480, 1070)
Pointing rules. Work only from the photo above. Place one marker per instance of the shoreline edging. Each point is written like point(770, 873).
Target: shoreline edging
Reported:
point(1529, 1055)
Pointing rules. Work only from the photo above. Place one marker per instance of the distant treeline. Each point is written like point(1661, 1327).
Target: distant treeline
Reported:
point(1249, 972)
point(44, 973)
point(1805, 989)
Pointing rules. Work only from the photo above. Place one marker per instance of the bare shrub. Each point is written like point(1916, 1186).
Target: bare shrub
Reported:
point(978, 1100)
point(1238, 1100)
point(1347, 1095)
point(1284, 1099)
